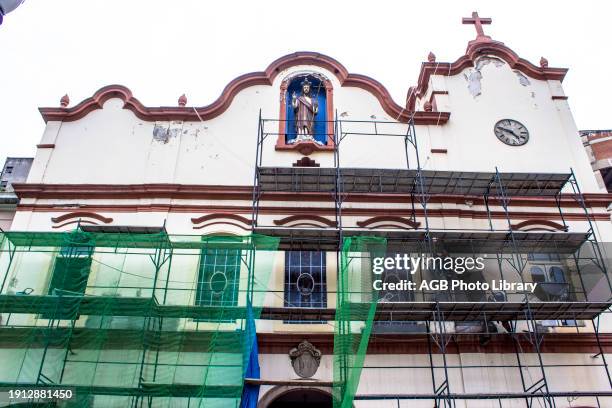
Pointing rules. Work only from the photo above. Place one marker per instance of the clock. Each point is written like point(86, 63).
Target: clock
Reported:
point(511, 132)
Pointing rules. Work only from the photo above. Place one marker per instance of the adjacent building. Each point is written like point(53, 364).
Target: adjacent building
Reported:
point(15, 170)
point(598, 145)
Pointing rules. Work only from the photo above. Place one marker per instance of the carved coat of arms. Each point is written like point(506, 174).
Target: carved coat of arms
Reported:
point(305, 359)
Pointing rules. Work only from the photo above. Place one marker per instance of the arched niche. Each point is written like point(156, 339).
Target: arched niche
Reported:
point(322, 91)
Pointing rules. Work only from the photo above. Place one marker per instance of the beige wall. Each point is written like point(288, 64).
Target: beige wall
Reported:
point(494, 378)
point(554, 145)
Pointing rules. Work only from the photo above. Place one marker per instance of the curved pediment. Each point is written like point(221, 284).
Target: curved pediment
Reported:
point(79, 217)
point(539, 225)
point(475, 50)
point(305, 221)
point(388, 221)
point(221, 104)
point(221, 219)
point(266, 77)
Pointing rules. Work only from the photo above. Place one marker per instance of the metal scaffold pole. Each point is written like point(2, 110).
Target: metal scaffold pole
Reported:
point(338, 198)
point(601, 353)
point(579, 197)
point(439, 336)
point(538, 388)
point(258, 160)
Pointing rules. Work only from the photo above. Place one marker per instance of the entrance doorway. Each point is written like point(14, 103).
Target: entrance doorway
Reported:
point(303, 398)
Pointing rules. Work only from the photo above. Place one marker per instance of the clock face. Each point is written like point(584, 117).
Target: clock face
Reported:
point(511, 132)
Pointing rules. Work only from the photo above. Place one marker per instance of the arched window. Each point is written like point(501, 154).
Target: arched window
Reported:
point(556, 274)
point(537, 274)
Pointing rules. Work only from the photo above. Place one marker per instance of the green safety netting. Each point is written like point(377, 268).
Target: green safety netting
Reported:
point(355, 311)
point(131, 318)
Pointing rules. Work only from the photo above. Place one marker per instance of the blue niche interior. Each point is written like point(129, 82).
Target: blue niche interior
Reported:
point(317, 90)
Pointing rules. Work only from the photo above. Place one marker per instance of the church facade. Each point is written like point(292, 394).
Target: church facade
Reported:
point(309, 164)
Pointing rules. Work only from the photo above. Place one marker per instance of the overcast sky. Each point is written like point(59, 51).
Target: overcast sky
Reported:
point(161, 49)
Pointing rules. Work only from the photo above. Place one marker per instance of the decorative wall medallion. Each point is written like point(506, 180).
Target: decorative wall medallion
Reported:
point(511, 132)
point(305, 359)
point(218, 283)
point(305, 284)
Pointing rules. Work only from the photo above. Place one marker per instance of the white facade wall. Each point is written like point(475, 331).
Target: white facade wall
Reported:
point(112, 146)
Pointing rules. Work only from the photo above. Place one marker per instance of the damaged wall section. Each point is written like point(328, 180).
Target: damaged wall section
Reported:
point(164, 131)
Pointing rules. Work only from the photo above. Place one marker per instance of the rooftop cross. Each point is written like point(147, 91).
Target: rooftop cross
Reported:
point(478, 22)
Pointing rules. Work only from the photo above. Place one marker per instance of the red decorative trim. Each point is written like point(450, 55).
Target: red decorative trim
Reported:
point(434, 213)
point(46, 145)
point(316, 218)
point(306, 162)
point(282, 125)
point(64, 101)
point(81, 214)
point(201, 192)
point(434, 93)
point(521, 225)
point(387, 218)
point(208, 224)
point(329, 101)
point(439, 151)
point(305, 148)
point(165, 113)
point(559, 97)
point(390, 107)
point(75, 222)
point(476, 49)
point(307, 224)
point(210, 217)
point(432, 98)
point(279, 343)
point(431, 118)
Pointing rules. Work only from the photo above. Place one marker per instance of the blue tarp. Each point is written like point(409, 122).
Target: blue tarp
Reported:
point(250, 393)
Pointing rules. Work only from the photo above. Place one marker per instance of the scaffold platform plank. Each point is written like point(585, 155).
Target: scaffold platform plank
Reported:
point(487, 242)
point(303, 239)
point(122, 236)
point(472, 242)
point(69, 307)
point(484, 396)
point(385, 311)
point(88, 338)
point(405, 181)
point(448, 311)
point(492, 311)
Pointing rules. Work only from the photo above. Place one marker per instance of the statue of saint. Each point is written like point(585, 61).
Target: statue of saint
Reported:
point(305, 108)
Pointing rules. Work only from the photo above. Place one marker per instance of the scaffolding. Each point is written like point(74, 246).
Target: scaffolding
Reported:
point(184, 338)
point(177, 340)
point(513, 315)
